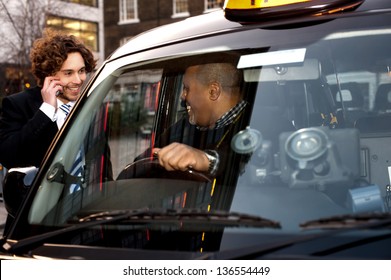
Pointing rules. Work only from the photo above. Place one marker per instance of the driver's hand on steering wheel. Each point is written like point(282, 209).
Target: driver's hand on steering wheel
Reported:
point(177, 156)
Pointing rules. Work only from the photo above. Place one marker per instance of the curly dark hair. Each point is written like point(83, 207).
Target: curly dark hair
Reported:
point(49, 53)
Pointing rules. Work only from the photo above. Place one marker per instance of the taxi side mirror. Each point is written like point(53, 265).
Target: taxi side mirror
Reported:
point(16, 185)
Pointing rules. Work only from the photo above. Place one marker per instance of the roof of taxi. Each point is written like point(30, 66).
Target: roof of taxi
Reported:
point(205, 25)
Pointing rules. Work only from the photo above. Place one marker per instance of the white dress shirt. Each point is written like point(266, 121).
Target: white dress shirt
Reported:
point(55, 114)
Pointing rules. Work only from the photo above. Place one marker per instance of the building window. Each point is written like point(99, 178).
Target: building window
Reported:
point(124, 40)
point(181, 8)
point(85, 30)
point(92, 3)
point(128, 11)
point(213, 4)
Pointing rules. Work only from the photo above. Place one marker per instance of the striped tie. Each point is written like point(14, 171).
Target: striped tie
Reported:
point(77, 166)
point(77, 169)
point(66, 108)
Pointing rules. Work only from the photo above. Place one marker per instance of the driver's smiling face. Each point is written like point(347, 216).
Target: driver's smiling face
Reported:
point(196, 96)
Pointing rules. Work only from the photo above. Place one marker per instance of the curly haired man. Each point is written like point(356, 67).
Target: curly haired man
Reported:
point(30, 119)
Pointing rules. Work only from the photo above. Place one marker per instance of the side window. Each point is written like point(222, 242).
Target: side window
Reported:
point(194, 102)
point(131, 104)
point(113, 127)
point(131, 112)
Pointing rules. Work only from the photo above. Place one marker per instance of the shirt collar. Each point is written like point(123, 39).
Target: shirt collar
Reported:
point(228, 117)
point(231, 115)
point(59, 103)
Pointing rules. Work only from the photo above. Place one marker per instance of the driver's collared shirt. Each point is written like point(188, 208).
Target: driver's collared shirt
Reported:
point(231, 115)
point(226, 119)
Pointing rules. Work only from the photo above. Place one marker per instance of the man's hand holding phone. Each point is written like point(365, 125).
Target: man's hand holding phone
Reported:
point(51, 89)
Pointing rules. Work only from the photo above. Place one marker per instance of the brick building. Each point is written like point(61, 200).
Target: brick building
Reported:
point(124, 19)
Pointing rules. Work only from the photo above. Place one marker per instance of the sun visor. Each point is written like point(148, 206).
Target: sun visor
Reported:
point(307, 70)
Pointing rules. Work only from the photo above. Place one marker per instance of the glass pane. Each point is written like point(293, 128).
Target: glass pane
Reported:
point(213, 4)
point(130, 11)
point(127, 10)
point(181, 6)
point(86, 31)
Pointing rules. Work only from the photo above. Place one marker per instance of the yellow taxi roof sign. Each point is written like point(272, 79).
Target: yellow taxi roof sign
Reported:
point(247, 11)
point(256, 4)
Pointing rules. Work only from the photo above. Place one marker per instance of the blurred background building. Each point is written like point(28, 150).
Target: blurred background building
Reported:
point(124, 19)
point(103, 25)
point(23, 21)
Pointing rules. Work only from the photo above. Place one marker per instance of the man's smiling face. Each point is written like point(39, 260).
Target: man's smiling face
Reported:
point(72, 75)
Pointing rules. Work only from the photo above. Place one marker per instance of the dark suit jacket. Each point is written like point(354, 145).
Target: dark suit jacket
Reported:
point(25, 131)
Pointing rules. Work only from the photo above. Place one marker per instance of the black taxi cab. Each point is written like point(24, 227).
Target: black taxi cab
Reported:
point(306, 167)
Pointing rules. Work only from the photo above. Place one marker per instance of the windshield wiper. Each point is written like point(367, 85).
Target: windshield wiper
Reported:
point(341, 224)
point(146, 216)
point(366, 220)
point(192, 215)
point(27, 243)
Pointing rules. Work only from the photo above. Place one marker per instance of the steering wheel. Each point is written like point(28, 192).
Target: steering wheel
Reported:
point(150, 168)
